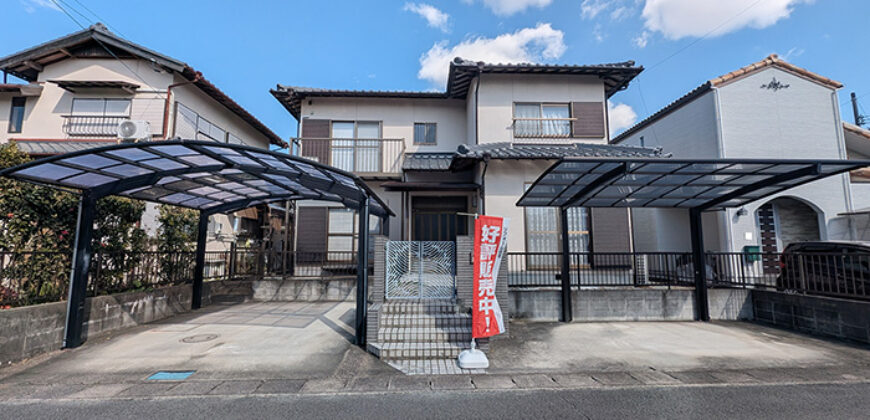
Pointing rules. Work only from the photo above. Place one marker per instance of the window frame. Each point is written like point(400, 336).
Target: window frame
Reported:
point(587, 215)
point(105, 102)
point(571, 118)
point(15, 126)
point(374, 229)
point(356, 129)
point(434, 137)
point(227, 133)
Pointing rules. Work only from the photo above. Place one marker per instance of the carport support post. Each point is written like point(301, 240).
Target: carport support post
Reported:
point(567, 309)
point(362, 273)
point(199, 264)
point(78, 284)
point(699, 263)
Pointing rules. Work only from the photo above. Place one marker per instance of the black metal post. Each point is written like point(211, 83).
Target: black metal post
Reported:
point(567, 309)
point(199, 264)
point(362, 273)
point(78, 284)
point(699, 263)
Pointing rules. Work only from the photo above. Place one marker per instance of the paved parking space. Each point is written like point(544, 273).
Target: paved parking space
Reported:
point(306, 348)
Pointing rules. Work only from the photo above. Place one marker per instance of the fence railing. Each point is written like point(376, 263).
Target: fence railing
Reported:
point(360, 156)
point(844, 275)
point(92, 126)
point(840, 275)
point(534, 269)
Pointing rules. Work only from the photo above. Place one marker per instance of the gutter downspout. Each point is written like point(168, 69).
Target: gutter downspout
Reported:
point(483, 184)
point(168, 103)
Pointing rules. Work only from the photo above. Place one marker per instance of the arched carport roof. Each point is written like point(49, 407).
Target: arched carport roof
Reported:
point(202, 175)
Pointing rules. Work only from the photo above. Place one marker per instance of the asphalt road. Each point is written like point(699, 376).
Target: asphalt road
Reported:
point(709, 402)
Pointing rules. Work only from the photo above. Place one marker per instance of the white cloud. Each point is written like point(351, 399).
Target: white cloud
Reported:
point(641, 40)
point(598, 33)
point(676, 19)
point(30, 6)
point(620, 13)
point(525, 45)
point(591, 8)
point(794, 52)
point(510, 7)
point(434, 17)
point(619, 117)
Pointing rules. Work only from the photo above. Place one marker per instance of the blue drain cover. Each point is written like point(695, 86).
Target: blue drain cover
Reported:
point(171, 375)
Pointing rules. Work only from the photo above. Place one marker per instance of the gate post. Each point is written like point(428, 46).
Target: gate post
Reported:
point(199, 264)
point(699, 263)
point(567, 308)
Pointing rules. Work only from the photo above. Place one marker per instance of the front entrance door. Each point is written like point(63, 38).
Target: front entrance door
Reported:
point(435, 218)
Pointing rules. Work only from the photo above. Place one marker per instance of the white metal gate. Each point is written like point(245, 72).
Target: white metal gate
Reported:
point(420, 269)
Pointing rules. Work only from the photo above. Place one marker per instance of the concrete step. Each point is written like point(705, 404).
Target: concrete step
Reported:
point(397, 352)
point(425, 321)
point(435, 307)
point(424, 335)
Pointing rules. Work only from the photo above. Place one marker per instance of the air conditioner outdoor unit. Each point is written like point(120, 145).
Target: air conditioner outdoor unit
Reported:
point(134, 130)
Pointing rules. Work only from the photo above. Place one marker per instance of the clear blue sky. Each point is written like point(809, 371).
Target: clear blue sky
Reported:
point(245, 48)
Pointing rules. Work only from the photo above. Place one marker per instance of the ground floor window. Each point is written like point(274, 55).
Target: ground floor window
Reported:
point(543, 233)
point(343, 233)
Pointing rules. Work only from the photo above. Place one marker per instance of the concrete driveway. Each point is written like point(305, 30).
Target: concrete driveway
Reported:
point(672, 346)
point(278, 340)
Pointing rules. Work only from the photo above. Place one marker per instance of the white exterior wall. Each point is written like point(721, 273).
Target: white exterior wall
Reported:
point(499, 92)
point(505, 182)
point(43, 114)
point(398, 117)
point(798, 122)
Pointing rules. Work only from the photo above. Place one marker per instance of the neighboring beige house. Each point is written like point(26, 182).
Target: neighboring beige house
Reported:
point(81, 86)
point(434, 157)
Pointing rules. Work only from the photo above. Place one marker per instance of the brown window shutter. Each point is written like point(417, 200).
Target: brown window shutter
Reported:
point(589, 120)
point(611, 233)
point(311, 233)
point(315, 147)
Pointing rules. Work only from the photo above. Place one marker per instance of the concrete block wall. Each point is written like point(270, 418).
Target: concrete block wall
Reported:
point(832, 317)
point(307, 290)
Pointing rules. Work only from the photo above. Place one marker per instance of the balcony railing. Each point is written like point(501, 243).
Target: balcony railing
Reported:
point(360, 156)
point(542, 127)
point(92, 126)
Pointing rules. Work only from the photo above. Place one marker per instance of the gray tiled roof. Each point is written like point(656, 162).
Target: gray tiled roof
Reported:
point(466, 154)
point(38, 147)
point(427, 161)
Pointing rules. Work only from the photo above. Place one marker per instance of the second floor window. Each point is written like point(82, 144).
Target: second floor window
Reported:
point(96, 116)
point(424, 133)
point(542, 120)
point(16, 115)
point(356, 146)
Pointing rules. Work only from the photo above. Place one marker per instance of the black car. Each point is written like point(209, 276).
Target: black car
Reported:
point(835, 268)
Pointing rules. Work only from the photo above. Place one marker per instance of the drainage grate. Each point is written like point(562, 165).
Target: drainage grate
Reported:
point(199, 338)
point(171, 375)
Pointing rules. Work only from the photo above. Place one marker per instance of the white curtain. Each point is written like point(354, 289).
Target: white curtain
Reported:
point(527, 128)
point(558, 125)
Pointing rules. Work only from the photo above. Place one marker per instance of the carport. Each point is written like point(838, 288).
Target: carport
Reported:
point(697, 185)
point(201, 175)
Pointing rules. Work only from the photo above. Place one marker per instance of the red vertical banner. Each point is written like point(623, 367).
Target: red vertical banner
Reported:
point(490, 242)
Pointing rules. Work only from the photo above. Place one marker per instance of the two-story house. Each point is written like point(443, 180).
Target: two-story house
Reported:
point(438, 157)
point(769, 109)
point(81, 86)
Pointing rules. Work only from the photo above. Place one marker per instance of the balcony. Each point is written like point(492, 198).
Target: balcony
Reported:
point(92, 126)
point(364, 157)
point(542, 127)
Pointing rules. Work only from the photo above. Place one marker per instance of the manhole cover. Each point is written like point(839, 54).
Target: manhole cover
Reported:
point(199, 338)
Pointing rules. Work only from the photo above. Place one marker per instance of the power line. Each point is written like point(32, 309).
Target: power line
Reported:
point(99, 18)
point(687, 46)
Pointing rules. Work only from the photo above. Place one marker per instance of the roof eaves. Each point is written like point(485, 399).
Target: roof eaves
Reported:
point(857, 130)
point(773, 60)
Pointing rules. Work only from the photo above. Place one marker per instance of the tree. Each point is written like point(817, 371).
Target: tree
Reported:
point(37, 229)
point(176, 239)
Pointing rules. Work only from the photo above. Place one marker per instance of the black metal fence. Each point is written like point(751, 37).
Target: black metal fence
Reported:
point(537, 269)
point(28, 278)
point(838, 275)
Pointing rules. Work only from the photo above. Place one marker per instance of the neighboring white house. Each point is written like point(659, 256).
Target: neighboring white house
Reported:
point(769, 109)
point(81, 86)
point(435, 157)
